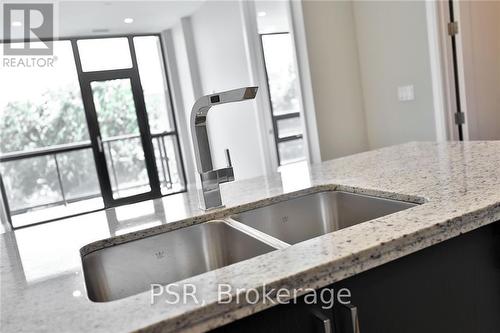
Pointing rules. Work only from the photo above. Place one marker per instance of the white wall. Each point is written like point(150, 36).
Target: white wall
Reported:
point(179, 95)
point(223, 65)
point(359, 53)
point(480, 35)
point(393, 49)
point(188, 88)
point(335, 76)
point(185, 77)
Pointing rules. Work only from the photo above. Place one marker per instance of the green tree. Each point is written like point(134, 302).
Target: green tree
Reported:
point(60, 119)
point(26, 125)
point(117, 117)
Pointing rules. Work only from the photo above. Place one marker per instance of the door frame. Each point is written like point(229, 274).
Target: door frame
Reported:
point(447, 67)
point(85, 80)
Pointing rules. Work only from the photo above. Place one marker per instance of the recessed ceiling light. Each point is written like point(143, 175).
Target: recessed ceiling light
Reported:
point(16, 23)
point(261, 14)
point(128, 20)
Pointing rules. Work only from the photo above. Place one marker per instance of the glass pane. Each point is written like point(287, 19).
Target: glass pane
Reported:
point(41, 106)
point(104, 54)
point(78, 174)
point(126, 167)
point(150, 63)
point(291, 151)
point(31, 182)
point(289, 127)
point(162, 163)
point(114, 104)
point(281, 72)
point(35, 193)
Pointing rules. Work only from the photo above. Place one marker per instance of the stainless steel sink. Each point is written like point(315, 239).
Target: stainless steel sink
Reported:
point(313, 215)
point(130, 268)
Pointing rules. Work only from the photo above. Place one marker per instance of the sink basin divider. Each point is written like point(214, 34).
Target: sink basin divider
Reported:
point(263, 237)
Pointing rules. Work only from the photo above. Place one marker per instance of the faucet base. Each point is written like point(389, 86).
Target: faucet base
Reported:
point(209, 191)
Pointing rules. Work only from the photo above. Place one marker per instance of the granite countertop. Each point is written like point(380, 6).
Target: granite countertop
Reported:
point(42, 284)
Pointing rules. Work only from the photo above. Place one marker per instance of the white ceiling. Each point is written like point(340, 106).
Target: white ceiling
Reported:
point(81, 18)
point(91, 18)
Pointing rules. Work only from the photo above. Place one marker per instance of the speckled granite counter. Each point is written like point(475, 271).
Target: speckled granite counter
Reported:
point(42, 285)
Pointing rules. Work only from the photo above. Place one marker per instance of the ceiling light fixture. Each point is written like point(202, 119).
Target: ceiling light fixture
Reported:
point(128, 20)
point(16, 23)
point(261, 14)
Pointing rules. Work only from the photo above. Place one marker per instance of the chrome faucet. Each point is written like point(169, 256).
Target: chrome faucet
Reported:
point(211, 179)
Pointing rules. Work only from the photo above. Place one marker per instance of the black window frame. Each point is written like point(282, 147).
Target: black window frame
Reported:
point(134, 71)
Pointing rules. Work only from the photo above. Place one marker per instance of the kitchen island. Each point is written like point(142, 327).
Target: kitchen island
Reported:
point(457, 187)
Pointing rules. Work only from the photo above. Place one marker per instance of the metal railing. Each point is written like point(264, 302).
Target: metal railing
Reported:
point(55, 150)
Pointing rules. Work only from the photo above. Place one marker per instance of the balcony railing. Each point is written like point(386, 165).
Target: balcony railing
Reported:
point(165, 171)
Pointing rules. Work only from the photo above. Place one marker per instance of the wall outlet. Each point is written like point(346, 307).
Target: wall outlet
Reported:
point(406, 93)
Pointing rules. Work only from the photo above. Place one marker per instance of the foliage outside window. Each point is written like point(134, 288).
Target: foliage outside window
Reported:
point(42, 109)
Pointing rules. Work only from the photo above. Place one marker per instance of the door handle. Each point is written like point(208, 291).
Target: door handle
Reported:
point(99, 144)
point(228, 158)
point(322, 323)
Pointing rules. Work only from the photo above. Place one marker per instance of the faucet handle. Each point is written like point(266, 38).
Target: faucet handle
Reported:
point(228, 158)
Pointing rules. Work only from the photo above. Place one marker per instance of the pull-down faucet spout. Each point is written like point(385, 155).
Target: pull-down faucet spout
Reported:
point(211, 179)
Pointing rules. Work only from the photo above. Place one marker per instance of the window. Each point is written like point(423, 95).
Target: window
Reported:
point(41, 106)
point(273, 25)
point(53, 146)
point(104, 54)
point(46, 157)
point(283, 87)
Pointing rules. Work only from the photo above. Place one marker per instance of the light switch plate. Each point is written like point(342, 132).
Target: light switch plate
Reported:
point(406, 93)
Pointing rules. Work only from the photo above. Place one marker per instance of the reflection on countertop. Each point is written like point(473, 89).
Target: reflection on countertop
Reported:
point(51, 249)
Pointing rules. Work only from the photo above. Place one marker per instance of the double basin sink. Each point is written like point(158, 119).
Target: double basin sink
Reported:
point(127, 269)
